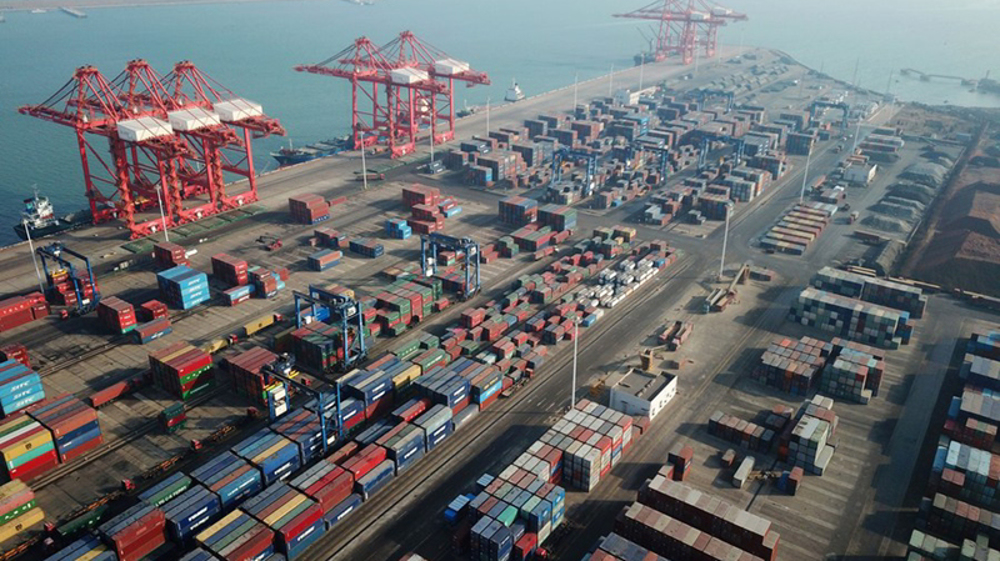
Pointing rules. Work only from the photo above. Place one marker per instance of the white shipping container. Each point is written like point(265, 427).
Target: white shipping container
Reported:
point(143, 129)
point(450, 66)
point(238, 109)
point(408, 75)
point(192, 119)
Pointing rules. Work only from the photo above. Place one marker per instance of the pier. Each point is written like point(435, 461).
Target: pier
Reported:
point(73, 12)
point(925, 77)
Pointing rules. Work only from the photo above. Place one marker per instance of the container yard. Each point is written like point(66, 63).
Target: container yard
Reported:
point(508, 354)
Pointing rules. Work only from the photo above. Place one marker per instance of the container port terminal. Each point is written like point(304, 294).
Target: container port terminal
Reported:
point(745, 247)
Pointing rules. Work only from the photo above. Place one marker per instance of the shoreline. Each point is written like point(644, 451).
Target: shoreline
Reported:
point(47, 5)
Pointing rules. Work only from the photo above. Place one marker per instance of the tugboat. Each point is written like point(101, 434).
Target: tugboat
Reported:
point(514, 93)
point(40, 219)
point(291, 156)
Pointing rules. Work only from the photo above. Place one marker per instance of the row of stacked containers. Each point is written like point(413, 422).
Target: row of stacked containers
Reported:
point(46, 434)
point(960, 511)
point(799, 227)
point(840, 368)
point(19, 310)
point(434, 390)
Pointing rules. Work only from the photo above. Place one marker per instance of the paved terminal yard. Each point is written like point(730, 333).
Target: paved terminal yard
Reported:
point(852, 510)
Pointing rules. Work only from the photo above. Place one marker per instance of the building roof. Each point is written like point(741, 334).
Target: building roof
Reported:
point(643, 385)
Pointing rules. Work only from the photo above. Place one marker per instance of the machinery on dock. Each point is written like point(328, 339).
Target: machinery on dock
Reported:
point(739, 145)
point(566, 153)
point(685, 25)
point(398, 89)
point(815, 107)
point(429, 246)
point(703, 94)
point(338, 310)
point(269, 242)
point(283, 370)
point(64, 269)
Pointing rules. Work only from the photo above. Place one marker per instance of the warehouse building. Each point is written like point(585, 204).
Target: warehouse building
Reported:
point(642, 393)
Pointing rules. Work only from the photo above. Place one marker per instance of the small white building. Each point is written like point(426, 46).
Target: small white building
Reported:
point(860, 174)
point(642, 393)
point(629, 97)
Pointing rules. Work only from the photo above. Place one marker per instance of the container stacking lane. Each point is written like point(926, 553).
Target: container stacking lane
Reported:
point(465, 456)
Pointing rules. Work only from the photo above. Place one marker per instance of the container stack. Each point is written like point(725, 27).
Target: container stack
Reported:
point(26, 448)
point(73, 425)
point(19, 310)
point(398, 229)
point(745, 433)
point(295, 519)
point(328, 237)
point(189, 512)
point(238, 294)
point(229, 477)
point(518, 211)
point(404, 445)
point(15, 351)
point(883, 292)
point(63, 288)
point(968, 473)
point(245, 369)
point(166, 490)
point(325, 259)
point(20, 387)
point(792, 366)
point(88, 547)
point(237, 536)
point(809, 441)
point(616, 548)
point(302, 427)
point(173, 417)
point(183, 287)
point(559, 218)
point(513, 514)
point(135, 533)
point(866, 323)
point(326, 483)
point(153, 309)
point(437, 424)
point(274, 455)
point(116, 314)
point(722, 520)
point(853, 371)
point(308, 209)
point(229, 269)
point(152, 330)
point(169, 255)
point(18, 509)
point(367, 247)
point(183, 370)
point(672, 538)
point(418, 194)
point(373, 388)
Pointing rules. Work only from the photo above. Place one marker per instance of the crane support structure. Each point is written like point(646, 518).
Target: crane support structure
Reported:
point(685, 25)
point(54, 253)
point(565, 153)
point(707, 93)
point(338, 310)
point(429, 246)
point(170, 141)
point(397, 89)
point(739, 146)
point(283, 369)
point(815, 106)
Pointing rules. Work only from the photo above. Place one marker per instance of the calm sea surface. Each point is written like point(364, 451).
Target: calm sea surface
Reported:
point(251, 48)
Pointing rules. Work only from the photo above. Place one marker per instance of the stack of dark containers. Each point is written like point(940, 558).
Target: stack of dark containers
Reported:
point(266, 283)
point(423, 203)
point(328, 237)
point(325, 259)
point(559, 218)
point(308, 209)
point(19, 310)
point(367, 247)
point(116, 314)
point(960, 512)
point(153, 309)
point(135, 533)
point(73, 425)
point(62, 288)
point(245, 369)
point(518, 211)
point(183, 370)
point(230, 270)
point(750, 435)
point(168, 255)
point(793, 366)
point(15, 351)
point(295, 519)
point(173, 417)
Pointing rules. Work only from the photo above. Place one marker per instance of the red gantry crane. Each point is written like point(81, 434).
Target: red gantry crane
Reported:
point(160, 139)
point(685, 25)
point(140, 142)
point(397, 89)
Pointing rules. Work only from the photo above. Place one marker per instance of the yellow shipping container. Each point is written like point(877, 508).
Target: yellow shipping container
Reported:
point(215, 346)
point(404, 378)
point(277, 515)
point(101, 548)
point(24, 522)
point(263, 455)
point(214, 528)
point(258, 324)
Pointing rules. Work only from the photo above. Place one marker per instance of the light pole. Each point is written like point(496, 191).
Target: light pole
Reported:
point(364, 164)
point(576, 80)
point(611, 81)
point(163, 219)
point(725, 240)
point(576, 338)
point(432, 144)
point(857, 138)
point(642, 66)
point(805, 176)
point(487, 116)
point(34, 259)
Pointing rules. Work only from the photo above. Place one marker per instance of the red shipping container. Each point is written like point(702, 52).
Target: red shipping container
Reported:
point(369, 457)
point(35, 467)
point(306, 518)
point(81, 449)
point(332, 489)
point(259, 540)
point(343, 453)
